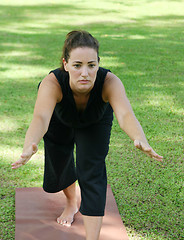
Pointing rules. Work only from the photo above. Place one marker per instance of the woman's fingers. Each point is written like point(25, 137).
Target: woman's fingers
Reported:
point(22, 161)
point(24, 158)
point(147, 150)
point(154, 155)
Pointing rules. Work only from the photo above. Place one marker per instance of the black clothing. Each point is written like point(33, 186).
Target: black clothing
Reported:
point(66, 110)
point(90, 131)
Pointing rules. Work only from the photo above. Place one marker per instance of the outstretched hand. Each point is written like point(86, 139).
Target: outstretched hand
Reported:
point(24, 158)
point(147, 150)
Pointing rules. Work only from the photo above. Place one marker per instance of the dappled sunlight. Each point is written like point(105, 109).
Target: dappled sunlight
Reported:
point(157, 35)
point(136, 36)
point(15, 45)
point(8, 124)
point(59, 13)
point(156, 21)
point(158, 100)
point(134, 73)
point(142, 43)
point(111, 61)
point(137, 235)
point(124, 36)
point(163, 101)
point(10, 154)
point(181, 64)
point(17, 30)
point(15, 54)
point(22, 71)
point(114, 35)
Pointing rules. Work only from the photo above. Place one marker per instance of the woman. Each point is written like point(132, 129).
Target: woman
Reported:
point(75, 105)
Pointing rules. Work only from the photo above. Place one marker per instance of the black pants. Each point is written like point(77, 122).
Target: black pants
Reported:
point(92, 145)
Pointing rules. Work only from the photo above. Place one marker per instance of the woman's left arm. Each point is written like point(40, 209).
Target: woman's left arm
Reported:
point(114, 93)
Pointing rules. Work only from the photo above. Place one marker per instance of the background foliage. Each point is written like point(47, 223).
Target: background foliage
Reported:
point(142, 43)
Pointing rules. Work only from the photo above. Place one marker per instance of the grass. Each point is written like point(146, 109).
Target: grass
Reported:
point(142, 43)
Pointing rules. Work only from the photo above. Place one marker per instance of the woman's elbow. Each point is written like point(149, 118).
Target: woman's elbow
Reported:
point(41, 122)
point(125, 118)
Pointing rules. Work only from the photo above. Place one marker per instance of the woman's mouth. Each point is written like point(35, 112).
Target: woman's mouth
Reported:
point(84, 81)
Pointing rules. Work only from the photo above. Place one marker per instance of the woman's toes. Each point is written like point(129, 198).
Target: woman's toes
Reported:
point(66, 224)
point(58, 221)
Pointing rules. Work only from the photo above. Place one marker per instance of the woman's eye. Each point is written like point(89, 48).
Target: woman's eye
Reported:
point(77, 65)
point(92, 65)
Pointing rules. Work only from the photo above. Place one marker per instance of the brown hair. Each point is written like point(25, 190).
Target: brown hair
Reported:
point(75, 39)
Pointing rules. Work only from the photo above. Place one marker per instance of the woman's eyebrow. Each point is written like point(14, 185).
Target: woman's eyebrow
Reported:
point(77, 62)
point(93, 61)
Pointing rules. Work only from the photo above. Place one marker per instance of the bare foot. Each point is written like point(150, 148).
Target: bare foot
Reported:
point(67, 217)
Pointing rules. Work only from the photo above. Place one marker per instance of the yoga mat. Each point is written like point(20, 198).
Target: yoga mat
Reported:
point(37, 211)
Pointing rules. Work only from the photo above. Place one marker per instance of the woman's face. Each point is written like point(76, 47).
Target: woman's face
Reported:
point(82, 67)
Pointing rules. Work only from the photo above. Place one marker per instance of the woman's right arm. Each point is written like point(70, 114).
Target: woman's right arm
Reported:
point(49, 94)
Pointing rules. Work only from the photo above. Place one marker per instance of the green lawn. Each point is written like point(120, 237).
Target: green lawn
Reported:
point(142, 42)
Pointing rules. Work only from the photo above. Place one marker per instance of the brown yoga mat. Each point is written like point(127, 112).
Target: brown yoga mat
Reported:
point(36, 213)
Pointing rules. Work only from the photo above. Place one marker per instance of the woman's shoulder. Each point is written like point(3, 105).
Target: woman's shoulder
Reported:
point(102, 71)
point(62, 78)
point(59, 74)
point(101, 75)
point(51, 87)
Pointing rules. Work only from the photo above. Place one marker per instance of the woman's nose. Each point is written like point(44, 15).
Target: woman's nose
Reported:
point(84, 72)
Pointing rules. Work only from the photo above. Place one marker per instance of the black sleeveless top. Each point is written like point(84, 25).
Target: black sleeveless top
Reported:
point(66, 110)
